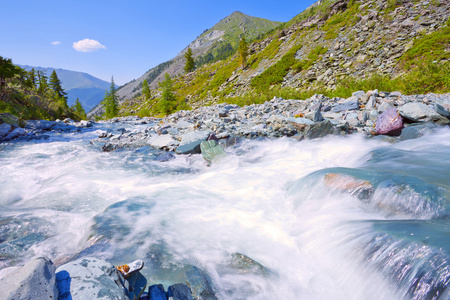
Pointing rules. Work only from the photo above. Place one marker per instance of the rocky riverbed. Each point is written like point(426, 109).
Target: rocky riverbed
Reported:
point(315, 117)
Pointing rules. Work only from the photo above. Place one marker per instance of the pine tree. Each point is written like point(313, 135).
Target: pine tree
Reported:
point(243, 52)
point(110, 101)
point(55, 85)
point(145, 90)
point(168, 97)
point(42, 81)
point(79, 110)
point(7, 70)
point(190, 63)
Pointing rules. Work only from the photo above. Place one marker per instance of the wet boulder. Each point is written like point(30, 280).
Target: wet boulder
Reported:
point(389, 123)
point(34, 280)
point(89, 278)
point(200, 284)
point(190, 143)
point(245, 264)
point(39, 124)
point(319, 129)
point(179, 291)
point(5, 129)
point(156, 292)
point(15, 134)
point(211, 150)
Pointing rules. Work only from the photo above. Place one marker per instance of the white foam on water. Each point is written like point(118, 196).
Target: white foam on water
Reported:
point(242, 203)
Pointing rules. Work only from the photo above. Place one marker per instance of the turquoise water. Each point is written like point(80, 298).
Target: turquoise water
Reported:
point(267, 199)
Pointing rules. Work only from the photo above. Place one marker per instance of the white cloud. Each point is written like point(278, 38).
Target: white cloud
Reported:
point(56, 43)
point(87, 45)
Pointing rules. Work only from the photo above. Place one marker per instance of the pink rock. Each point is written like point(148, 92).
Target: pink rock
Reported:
point(389, 123)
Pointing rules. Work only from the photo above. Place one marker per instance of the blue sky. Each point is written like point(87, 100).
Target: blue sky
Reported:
point(124, 38)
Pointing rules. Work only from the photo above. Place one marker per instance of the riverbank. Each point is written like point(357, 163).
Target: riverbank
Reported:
point(315, 117)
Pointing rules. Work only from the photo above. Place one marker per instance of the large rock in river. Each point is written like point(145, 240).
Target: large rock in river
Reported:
point(89, 278)
point(35, 280)
point(200, 284)
point(190, 143)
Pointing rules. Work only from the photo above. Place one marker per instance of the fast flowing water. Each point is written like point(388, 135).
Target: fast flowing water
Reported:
point(268, 199)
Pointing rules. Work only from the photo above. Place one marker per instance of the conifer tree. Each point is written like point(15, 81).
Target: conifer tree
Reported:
point(42, 81)
point(55, 85)
point(33, 77)
point(243, 52)
point(146, 89)
point(190, 63)
point(168, 97)
point(79, 110)
point(7, 70)
point(110, 101)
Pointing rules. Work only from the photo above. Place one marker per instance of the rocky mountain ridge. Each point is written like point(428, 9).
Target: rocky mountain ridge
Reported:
point(228, 30)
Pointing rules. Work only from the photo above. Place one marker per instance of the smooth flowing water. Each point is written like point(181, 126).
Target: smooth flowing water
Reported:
point(267, 199)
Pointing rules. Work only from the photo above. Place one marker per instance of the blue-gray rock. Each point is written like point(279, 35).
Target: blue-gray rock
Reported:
point(303, 121)
point(179, 291)
point(135, 285)
point(183, 124)
point(223, 113)
point(162, 141)
point(416, 131)
point(371, 103)
point(385, 106)
point(35, 280)
point(200, 284)
point(419, 112)
point(395, 94)
point(190, 143)
point(319, 129)
point(166, 156)
point(86, 124)
point(317, 114)
point(359, 94)
point(15, 134)
point(442, 106)
point(89, 278)
point(5, 129)
point(40, 124)
point(156, 292)
point(349, 105)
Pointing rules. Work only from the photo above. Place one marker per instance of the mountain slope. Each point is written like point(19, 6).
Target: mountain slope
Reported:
point(228, 31)
point(384, 44)
point(87, 88)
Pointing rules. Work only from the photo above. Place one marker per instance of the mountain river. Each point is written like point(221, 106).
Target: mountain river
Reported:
point(267, 199)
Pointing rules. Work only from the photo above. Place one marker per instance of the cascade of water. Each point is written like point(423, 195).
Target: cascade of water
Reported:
point(341, 218)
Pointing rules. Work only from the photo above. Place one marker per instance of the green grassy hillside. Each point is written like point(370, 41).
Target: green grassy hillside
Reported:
point(332, 48)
